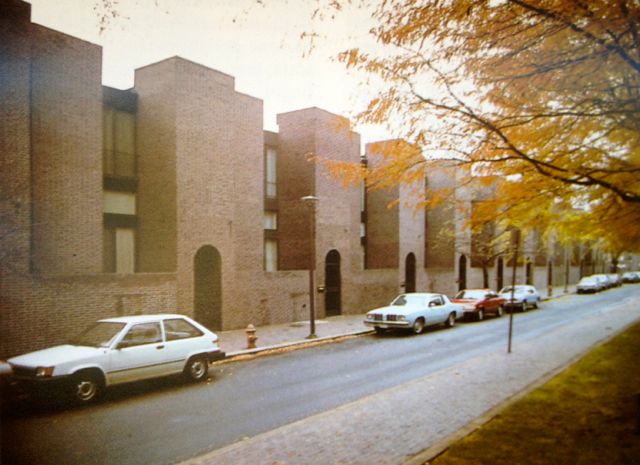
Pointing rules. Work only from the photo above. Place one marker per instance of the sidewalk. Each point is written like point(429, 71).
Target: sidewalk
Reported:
point(234, 342)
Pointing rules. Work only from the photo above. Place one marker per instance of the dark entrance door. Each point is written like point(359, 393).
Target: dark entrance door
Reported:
point(207, 295)
point(333, 283)
point(500, 275)
point(410, 273)
point(529, 273)
point(462, 273)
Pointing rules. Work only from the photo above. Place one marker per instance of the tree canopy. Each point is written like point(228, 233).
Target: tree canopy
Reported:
point(538, 98)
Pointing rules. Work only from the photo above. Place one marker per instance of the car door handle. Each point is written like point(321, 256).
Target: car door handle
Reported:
point(160, 347)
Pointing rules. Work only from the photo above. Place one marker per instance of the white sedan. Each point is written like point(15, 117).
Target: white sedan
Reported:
point(119, 350)
point(414, 311)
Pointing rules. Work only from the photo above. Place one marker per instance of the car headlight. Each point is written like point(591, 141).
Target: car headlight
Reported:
point(401, 318)
point(44, 372)
point(369, 316)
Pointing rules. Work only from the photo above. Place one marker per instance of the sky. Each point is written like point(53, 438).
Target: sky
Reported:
point(256, 41)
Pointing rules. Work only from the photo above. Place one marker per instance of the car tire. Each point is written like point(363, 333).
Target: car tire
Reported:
point(535, 304)
point(86, 387)
point(380, 331)
point(500, 311)
point(197, 368)
point(418, 326)
point(480, 314)
point(451, 320)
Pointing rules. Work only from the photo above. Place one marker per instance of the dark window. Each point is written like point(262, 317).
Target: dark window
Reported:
point(180, 329)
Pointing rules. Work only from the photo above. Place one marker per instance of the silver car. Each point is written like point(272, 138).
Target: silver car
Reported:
point(524, 296)
point(414, 312)
point(589, 284)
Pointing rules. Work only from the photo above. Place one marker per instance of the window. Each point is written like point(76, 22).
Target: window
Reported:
point(118, 143)
point(270, 220)
point(270, 255)
point(143, 333)
point(270, 172)
point(123, 203)
point(180, 329)
point(119, 250)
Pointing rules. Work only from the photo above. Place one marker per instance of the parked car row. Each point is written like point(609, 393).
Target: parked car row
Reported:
point(601, 282)
point(416, 311)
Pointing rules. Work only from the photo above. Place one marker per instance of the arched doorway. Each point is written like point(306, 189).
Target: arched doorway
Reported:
point(500, 274)
point(529, 272)
point(333, 283)
point(207, 287)
point(410, 273)
point(462, 273)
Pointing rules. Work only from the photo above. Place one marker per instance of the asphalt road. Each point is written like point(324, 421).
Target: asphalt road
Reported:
point(166, 421)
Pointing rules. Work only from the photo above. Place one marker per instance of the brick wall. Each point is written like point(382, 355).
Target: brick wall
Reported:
point(39, 312)
point(66, 153)
point(156, 162)
point(15, 161)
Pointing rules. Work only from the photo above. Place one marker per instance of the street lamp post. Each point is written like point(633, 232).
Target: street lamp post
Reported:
point(311, 200)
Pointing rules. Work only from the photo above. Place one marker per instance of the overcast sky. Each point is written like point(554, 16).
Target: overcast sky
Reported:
point(256, 41)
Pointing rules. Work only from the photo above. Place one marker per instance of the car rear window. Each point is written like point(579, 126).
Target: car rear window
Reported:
point(180, 329)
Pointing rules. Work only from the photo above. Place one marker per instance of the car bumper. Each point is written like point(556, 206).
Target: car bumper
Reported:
point(387, 324)
point(216, 355)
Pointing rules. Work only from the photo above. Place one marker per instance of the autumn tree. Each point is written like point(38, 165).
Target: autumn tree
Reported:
point(539, 98)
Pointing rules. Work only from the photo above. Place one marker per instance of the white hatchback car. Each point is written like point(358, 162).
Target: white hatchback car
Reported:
point(119, 350)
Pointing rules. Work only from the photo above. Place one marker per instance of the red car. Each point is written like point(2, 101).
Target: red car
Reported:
point(478, 302)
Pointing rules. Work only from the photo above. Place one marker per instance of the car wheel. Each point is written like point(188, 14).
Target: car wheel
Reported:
point(379, 330)
point(418, 326)
point(451, 320)
point(500, 311)
point(480, 314)
point(535, 304)
point(86, 387)
point(197, 368)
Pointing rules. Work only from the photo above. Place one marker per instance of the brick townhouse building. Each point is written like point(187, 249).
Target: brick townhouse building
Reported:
point(171, 197)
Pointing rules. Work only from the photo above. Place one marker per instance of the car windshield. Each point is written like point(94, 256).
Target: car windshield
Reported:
point(471, 294)
point(587, 280)
point(99, 334)
point(407, 299)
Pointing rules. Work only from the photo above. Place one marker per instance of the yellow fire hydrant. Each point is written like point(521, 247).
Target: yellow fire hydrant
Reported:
point(251, 336)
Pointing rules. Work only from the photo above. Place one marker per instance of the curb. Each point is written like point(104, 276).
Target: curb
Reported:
point(294, 345)
point(426, 456)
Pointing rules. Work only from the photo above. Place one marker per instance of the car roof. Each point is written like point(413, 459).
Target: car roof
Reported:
point(141, 318)
point(423, 294)
point(479, 289)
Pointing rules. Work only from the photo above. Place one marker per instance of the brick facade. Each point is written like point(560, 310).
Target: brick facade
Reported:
point(199, 191)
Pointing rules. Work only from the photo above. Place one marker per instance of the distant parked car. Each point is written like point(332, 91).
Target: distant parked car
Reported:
point(631, 277)
point(477, 303)
point(414, 312)
point(615, 280)
point(119, 350)
point(589, 284)
point(603, 279)
point(524, 296)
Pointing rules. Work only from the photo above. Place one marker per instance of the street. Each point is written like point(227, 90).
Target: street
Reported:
point(167, 421)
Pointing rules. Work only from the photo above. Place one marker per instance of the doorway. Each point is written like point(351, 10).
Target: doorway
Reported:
point(410, 273)
point(207, 295)
point(462, 273)
point(333, 284)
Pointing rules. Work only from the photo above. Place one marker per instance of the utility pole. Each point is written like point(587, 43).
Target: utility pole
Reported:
point(516, 240)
